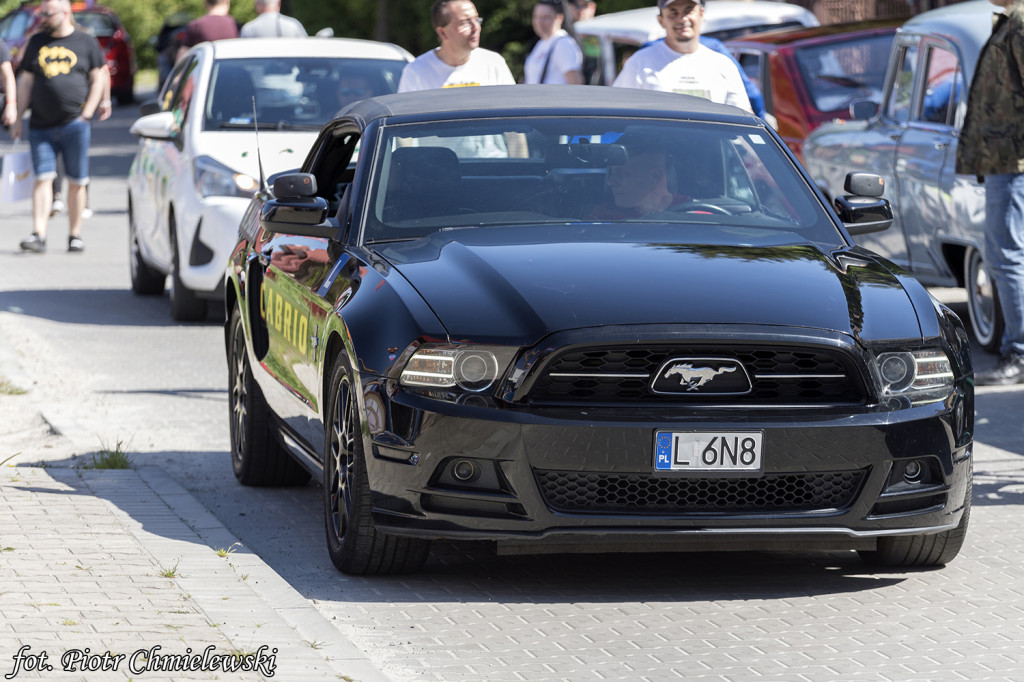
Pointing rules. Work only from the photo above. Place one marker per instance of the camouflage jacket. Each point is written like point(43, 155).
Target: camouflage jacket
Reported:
point(992, 139)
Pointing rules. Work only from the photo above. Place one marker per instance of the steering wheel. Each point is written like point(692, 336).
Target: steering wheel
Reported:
point(699, 207)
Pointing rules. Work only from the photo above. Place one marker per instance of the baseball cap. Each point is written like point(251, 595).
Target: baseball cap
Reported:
point(662, 4)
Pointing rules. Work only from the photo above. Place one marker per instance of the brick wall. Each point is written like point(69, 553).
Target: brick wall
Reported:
point(837, 11)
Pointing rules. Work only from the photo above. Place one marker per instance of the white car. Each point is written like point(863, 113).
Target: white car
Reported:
point(196, 167)
point(613, 37)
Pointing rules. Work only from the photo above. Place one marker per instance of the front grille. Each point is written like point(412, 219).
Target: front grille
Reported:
point(623, 375)
point(601, 493)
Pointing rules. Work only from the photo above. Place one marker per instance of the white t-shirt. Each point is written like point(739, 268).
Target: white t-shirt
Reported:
point(565, 56)
point(704, 73)
point(273, 25)
point(428, 72)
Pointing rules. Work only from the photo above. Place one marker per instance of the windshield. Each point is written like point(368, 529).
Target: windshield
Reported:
point(300, 93)
point(840, 72)
point(734, 182)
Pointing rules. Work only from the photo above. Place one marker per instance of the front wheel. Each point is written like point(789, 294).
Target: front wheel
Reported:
point(185, 305)
point(983, 302)
point(353, 541)
point(256, 458)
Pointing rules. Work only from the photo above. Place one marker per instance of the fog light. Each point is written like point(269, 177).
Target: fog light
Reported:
point(912, 472)
point(465, 471)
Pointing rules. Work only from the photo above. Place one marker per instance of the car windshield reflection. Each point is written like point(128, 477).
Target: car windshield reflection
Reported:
point(732, 180)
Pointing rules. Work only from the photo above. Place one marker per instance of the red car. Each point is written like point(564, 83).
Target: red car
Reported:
point(17, 25)
point(810, 76)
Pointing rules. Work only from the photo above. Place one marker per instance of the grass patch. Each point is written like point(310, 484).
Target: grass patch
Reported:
point(230, 550)
point(171, 572)
point(7, 388)
point(116, 458)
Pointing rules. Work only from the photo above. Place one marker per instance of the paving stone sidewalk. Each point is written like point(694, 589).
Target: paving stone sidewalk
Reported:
point(128, 562)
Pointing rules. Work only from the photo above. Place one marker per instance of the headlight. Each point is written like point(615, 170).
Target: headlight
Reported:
point(921, 376)
point(214, 179)
point(469, 368)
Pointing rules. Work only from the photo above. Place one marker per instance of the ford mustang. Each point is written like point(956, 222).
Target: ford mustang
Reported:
point(589, 319)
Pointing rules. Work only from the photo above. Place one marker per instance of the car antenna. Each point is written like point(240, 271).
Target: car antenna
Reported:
point(259, 159)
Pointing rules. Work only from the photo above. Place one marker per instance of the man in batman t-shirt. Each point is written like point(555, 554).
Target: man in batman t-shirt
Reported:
point(62, 80)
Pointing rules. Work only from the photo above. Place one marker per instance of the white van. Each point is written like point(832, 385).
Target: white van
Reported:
point(612, 38)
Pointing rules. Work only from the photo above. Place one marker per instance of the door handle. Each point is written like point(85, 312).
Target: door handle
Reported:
point(940, 146)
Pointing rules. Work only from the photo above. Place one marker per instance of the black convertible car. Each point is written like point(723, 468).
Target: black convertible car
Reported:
point(589, 319)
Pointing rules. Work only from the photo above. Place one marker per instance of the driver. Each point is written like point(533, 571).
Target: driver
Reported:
point(637, 187)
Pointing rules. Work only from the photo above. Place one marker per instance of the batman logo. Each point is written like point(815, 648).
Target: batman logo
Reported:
point(56, 61)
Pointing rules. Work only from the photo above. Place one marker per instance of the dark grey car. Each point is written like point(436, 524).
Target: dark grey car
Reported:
point(911, 141)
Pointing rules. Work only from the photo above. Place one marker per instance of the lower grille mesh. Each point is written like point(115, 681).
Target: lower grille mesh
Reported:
point(645, 494)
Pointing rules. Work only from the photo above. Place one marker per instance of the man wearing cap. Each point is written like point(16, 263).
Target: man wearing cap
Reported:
point(680, 63)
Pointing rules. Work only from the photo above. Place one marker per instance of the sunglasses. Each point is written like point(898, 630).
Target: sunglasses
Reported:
point(47, 15)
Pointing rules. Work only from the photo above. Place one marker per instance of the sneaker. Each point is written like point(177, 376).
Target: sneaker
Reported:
point(75, 244)
point(86, 213)
point(35, 244)
point(57, 207)
point(1010, 370)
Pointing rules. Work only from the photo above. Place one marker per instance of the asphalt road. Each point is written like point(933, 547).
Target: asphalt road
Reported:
point(107, 368)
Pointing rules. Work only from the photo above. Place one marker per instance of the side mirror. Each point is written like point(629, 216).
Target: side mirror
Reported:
point(863, 109)
point(864, 210)
point(295, 208)
point(160, 126)
point(294, 185)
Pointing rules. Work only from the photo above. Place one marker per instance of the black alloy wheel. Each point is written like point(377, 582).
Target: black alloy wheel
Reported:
point(353, 542)
point(256, 457)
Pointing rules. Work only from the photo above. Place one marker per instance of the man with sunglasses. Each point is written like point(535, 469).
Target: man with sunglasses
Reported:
point(459, 61)
point(62, 78)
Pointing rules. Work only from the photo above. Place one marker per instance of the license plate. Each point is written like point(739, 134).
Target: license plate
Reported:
point(709, 453)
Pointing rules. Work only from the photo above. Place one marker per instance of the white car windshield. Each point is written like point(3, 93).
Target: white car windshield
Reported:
point(292, 92)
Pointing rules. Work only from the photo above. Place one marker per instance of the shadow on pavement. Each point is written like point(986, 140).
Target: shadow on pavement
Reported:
point(118, 307)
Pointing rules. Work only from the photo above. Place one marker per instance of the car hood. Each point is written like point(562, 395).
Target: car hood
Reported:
point(280, 151)
point(519, 293)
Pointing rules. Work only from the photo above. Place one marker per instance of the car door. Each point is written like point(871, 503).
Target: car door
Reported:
point(924, 150)
point(879, 142)
point(161, 164)
point(298, 272)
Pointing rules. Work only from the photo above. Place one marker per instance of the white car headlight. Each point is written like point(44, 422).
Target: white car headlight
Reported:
point(469, 368)
point(214, 179)
point(921, 376)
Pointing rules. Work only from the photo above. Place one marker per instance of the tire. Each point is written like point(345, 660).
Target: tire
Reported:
point(126, 96)
point(355, 545)
point(256, 457)
point(146, 281)
point(983, 306)
point(185, 305)
point(909, 551)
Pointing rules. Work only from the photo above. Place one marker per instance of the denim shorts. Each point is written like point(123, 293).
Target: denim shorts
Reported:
point(71, 140)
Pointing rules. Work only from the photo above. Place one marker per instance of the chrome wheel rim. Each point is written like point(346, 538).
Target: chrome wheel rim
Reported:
point(342, 458)
point(982, 298)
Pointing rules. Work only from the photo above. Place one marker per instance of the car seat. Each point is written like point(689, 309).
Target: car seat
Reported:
point(423, 182)
point(232, 95)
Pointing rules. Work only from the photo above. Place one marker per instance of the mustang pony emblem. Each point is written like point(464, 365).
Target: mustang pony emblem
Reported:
point(694, 377)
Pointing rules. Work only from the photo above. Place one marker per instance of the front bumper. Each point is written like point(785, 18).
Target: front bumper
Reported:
point(206, 247)
point(565, 476)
